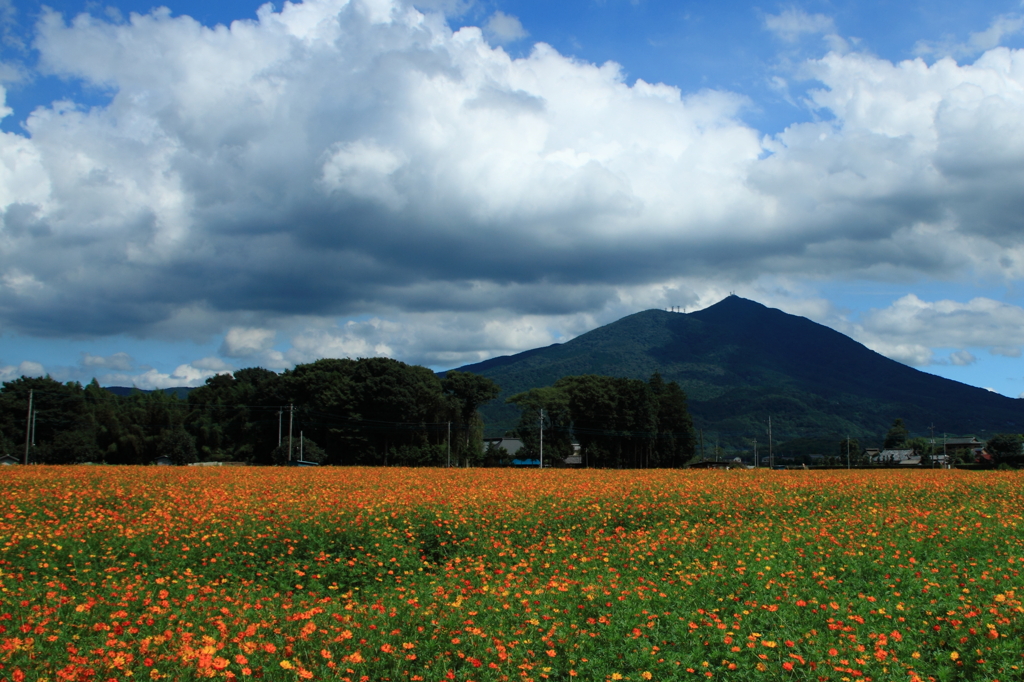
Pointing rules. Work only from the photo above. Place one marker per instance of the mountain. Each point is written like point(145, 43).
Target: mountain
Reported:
point(741, 362)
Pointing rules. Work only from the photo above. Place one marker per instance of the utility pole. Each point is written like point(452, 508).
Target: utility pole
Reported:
point(755, 453)
point(931, 455)
point(847, 451)
point(771, 453)
point(301, 442)
point(291, 420)
point(279, 412)
point(702, 445)
point(449, 445)
point(28, 424)
point(35, 413)
point(542, 438)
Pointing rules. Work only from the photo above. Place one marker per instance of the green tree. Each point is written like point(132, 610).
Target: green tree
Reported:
point(57, 409)
point(617, 422)
point(896, 438)
point(303, 449)
point(363, 410)
point(497, 456)
point(143, 419)
point(554, 402)
point(70, 447)
point(593, 408)
point(920, 446)
point(468, 392)
point(178, 444)
point(676, 442)
point(849, 447)
point(236, 417)
point(1005, 448)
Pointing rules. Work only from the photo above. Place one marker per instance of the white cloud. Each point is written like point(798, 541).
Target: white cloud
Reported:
point(962, 358)
point(913, 354)
point(347, 159)
point(1003, 26)
point(364, 169)
point(192, 374)
point(791, 24)
point(242, 342)
point(353, 340)
point(504, 28)
point(121, 362)
point(439, 340)
point(26, 368)
point(212, 364)
point(910, 329)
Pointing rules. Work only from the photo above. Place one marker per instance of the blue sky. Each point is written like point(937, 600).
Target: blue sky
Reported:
point(455, 180)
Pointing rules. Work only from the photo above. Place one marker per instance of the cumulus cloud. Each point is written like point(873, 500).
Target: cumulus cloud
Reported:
point(26, 368)
point(911, 328)
point(359, 159)
point(121, 362)
point(1002, 27)
point(242, 342)
point(504, 28)
point(345, 157)
point(437, 340)
point(962, 358)
point(190, 374)
point(792, 23)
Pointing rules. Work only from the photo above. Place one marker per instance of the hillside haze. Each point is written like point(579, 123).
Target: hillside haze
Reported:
point(740, 361)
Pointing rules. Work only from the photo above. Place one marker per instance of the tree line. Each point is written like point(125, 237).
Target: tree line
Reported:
point(371, 412)
point(620, 423)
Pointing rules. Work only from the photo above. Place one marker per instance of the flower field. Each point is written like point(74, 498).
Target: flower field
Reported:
point(111, 573)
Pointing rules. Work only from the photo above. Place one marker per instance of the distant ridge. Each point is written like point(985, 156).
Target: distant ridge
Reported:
point(178, 391)
point(740, 361)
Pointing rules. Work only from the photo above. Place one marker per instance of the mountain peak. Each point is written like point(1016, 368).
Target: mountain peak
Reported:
point(735, 305)
point(740, 361)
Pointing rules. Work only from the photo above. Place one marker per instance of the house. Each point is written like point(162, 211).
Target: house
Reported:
point(8, 460)
point(511, 445)
point(951, 444)
point(163, 461)
point(893, 456)
point(709, 464)
point(969, 448)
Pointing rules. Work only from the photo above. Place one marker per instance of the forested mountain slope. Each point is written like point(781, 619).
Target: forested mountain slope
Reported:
point(741, 362)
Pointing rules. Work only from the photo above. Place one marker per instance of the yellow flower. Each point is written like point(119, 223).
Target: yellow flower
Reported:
point(286, 665)
point(953, 655)
point(616, 676)
point(646, 675)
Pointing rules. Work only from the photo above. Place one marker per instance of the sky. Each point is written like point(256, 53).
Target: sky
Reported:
point(194, 188)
